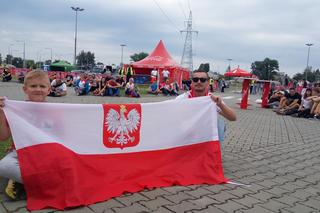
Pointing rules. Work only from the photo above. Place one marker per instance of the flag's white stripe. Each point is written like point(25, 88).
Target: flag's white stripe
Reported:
point(79, 127)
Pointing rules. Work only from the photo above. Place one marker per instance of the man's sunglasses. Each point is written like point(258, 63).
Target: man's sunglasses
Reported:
point(195, 80)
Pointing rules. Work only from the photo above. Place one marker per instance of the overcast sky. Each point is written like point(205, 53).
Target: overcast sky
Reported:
point(243, 30)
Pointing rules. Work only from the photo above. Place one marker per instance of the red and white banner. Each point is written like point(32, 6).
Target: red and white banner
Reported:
point(79, 154)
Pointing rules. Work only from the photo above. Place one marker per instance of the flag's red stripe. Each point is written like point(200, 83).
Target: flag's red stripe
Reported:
point(56, 177)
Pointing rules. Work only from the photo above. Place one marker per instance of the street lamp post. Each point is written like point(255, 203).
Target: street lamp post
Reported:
point(229, 59)
point(75, 34)
point(24, 52)
point(10, 53)
point(49, 48)
point(309, 45)
point(122, 45)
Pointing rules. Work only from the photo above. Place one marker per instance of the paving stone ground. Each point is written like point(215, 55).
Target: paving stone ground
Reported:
point(276, 157)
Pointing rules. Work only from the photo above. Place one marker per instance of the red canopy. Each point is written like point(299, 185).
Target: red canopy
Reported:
point(237, 72)
point(159, 58)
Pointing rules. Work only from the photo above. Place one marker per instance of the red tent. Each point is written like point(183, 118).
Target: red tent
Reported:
point(160, 59)
point(237, 72)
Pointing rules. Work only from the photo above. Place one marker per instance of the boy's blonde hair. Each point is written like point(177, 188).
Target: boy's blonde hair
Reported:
point(36, 74)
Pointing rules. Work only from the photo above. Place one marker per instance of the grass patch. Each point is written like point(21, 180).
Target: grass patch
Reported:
point(4, 146)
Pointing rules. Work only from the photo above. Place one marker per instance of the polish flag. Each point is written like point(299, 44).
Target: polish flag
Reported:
point(79, 154)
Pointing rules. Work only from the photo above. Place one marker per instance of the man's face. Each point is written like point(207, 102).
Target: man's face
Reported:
point(37, 89)
point(292, 92)
point(199, 86)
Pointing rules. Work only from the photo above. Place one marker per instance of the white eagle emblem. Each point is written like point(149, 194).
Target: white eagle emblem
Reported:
point(121, 126)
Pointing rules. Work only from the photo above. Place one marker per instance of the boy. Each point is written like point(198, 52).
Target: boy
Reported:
point(36, 88)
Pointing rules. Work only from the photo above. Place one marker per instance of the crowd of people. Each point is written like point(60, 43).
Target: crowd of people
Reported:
point(91, 84)
point(301, 101)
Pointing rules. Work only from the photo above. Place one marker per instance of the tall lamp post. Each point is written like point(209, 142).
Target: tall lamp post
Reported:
point(122, 45)
point(10, 53)
point(229, 59)
point(49, 48)
point(75, 34)
point(309, 45)
point(24, 52)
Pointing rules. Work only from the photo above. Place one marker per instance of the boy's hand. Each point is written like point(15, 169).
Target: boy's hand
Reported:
point(2, 99)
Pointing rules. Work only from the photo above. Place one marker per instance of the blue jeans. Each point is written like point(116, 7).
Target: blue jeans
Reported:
point(114, 91)
point(221, 129)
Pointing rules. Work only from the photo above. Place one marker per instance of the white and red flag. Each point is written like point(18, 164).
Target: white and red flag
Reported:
point(79, 154)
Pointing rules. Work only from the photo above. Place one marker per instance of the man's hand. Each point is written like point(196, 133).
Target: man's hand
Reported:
point(216, 99)
point(2, 99)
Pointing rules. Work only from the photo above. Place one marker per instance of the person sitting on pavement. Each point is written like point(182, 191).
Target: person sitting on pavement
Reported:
point(131, 90)
point(102, 85)
point(36, 88)
point(82, 86)
point(69, 80)
point(315, 98)
point(166, 88)
point(154, 89)
point(200, 87)
point(121, 80)
point(306, 104)
point(21, 77)
point(274, 100)
point(58, 88)
point(6, 75)
point(113, 87)
point(289, 103)
point(93, 82)
point(175, 87)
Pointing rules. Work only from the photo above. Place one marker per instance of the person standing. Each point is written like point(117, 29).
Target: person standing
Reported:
point(165, 75)
point(154, 75)
point(129, 72)
point(199, 88)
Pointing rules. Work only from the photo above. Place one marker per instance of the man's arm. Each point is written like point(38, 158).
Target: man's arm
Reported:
point(293, 104)
point(226, 111)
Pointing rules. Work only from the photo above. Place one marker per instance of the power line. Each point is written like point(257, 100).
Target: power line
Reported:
point(181, 8)
point(189, 5)
point(166, 15)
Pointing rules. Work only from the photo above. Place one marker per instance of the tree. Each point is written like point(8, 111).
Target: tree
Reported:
point(86, 60)
point(205, 67)
point(0, 58)
point(312, 76)
point(138, 56)
point(48, 62)
point(30, 63)
point(9, 59)
point(39, 64)
point(266, 69)
point(18, 62)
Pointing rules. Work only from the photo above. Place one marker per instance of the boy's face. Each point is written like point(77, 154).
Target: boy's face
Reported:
point(36, 89)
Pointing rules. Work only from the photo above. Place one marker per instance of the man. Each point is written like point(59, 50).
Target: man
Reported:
point(6, 75)
point(154, 75)
point(290, 102)
point(113, 87)
point(58, 88)
point(200, 87)
point(129, 72)
point(165, 75)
